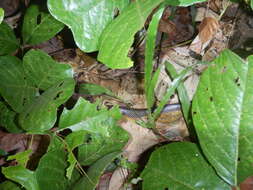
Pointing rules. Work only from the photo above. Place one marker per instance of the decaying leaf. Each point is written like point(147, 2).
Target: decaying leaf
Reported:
point(207, 29)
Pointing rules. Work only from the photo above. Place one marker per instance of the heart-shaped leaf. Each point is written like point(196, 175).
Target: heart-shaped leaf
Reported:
point(223, 116)
point(87, 19)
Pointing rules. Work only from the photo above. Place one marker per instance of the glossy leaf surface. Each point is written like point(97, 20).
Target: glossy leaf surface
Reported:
point(39, 26)
point(180, 166)
point(223, 116)
point(1, 15)
point(118, 36)
point(87, 19)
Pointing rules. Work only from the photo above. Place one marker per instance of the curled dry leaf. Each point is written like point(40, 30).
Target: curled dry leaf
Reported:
point(207, 30)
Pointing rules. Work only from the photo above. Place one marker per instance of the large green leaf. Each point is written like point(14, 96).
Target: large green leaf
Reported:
point(41, 114)
point(118, 36)
point(104, 135)
point(223, 116)
point(94, 172)
point(183, 2)
point(8, 41)
point(8, 185)
point(39, 26)
point(43, 71)
point(180, 166)
point(87, 19)
point(51, 173)
point(22, 176)
point(1, 15)
point(14, 86)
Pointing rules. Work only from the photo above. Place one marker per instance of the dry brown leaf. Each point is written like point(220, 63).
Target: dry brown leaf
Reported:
point(207, 30)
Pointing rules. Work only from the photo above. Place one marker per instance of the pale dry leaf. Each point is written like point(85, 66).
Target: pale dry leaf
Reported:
point(207, 30)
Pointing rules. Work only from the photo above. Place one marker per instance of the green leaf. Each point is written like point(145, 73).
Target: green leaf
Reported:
point(118, 36)
point(183, 2)
point(170, 91)
point(51, 171)
point(38, 72)
point(150, 95)
point(41, 114)
point(22, 176)
point(21, 157)
point(8, 41)
point(1, 15)
point(43, 71)
point(182, 93)
point(73, 140)
point(180, 166)
point(7, 119)
point(149, 57)
point(223, 116)
point(39, 26)
point(94, 89)
point(104, 135)
point(14, 86)
point(94, 172)
point(82, 110)
point(8, 185)
point(87, 19)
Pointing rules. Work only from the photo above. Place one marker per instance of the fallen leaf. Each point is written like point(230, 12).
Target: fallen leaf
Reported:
point(207, 30)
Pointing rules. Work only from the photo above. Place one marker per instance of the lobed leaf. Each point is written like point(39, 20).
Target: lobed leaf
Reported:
point(104, 134)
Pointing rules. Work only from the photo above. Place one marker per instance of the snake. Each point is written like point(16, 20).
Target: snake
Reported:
point(138, 113)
